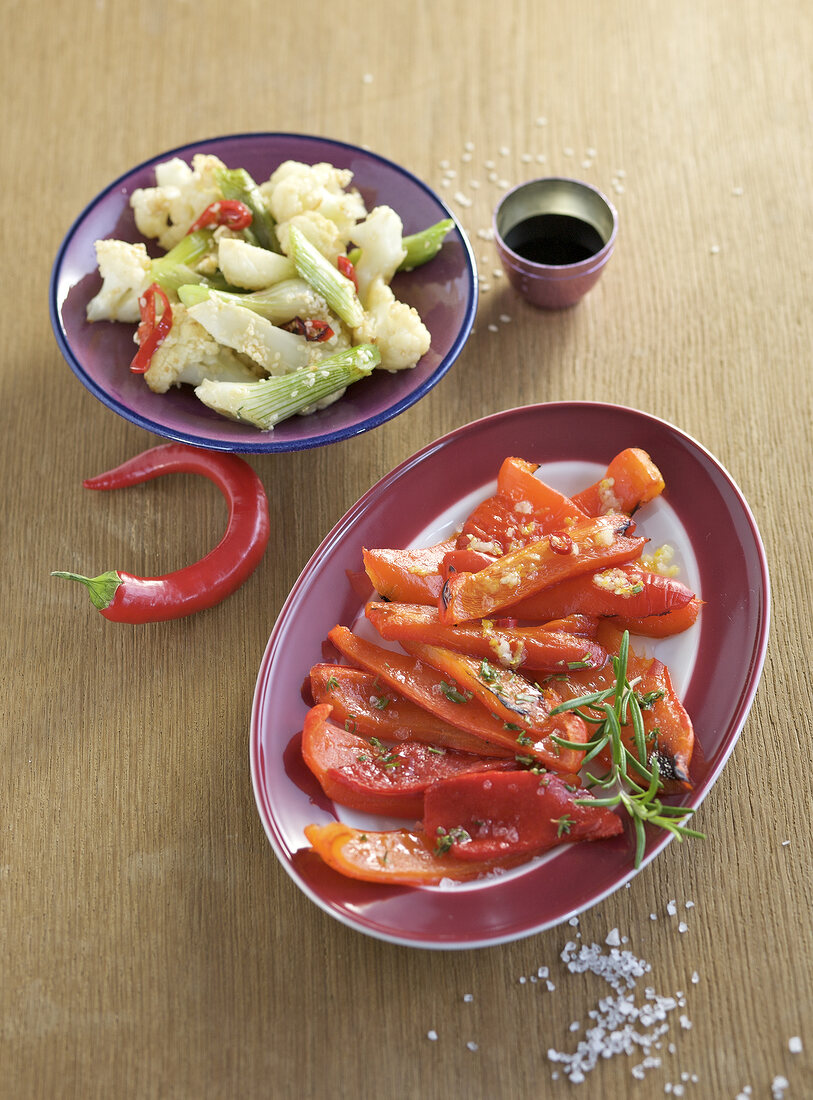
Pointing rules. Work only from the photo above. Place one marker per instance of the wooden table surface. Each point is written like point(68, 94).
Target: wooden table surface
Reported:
point(152, 944)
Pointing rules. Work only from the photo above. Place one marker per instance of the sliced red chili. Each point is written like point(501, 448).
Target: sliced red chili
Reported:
point(152, 331)
point(125, 598)
point(314, 331)
point(561, 543)
point(229, 212)
point(348, 270)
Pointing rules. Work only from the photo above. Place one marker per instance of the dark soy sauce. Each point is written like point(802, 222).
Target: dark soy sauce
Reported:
point(554, 239)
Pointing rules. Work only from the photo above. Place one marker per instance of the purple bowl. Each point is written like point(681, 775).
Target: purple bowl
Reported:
point(555, 285)
point(444, 292)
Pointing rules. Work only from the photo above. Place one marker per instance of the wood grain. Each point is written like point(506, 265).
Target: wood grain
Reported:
point(152, 945)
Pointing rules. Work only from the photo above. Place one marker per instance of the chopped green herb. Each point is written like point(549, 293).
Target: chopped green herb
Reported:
point(563, 824)
point(523, 738)
point(380, 702)
point(646, 702)
point(332, 683)
point(487, 673)
point(452, 693)
point(446, 839)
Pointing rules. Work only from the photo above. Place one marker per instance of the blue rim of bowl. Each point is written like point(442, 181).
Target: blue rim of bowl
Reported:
point(253, 446)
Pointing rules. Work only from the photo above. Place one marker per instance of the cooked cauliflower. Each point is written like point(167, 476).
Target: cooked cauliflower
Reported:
point(379, 238)
point(294, 188)
point(189, 354)
point(272, 348)
point(245, 265)
point(394, 327)
point(125, 272)
point(166, 211)
point(323, 234)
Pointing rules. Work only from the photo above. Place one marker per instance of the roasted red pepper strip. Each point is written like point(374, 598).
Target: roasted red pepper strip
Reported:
point(152, 331)
point(485, 817)
point(125, 598)
point(229, 212)
point(377, 778)
point(595, 544)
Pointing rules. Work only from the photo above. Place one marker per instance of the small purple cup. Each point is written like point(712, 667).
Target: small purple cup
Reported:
point(562, 283)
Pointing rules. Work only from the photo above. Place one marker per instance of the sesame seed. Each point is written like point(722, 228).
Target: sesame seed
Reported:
point(474, 184)
point(450, 174)
point(785, 843)
point(503, 183)
point(526, 158)
point(469, 146)
point(506, 320)
point(540, 158)
point(485, 287)
point(488, 164)
point(590, 151)
point(465, 157)
point(715, 248)
point(443, 164)
point(736, 191)
point(504, 150)
point(568, 151)
point(587, 163)
point(461, 198)
point(367, 78)
point(541, 121)
point(493, 328)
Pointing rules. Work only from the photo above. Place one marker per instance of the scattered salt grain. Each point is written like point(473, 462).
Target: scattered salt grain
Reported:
point(523, 980)
point(745, 1094)
point(543, 972)
point(653, 916)
point(575, 1025)
point(433, 1035)
point(471, 1046)
point(690, 905)
point(613, 938)
point(778, 1086)
point(683, 926)
point(785, 843)
point(685, 1023)
point(573, 921)
point(671, 908)
point(795, 1045)
point(468, 997)
point(550, 985)
point(695, 978)
point(493, 328)
point(505, 318)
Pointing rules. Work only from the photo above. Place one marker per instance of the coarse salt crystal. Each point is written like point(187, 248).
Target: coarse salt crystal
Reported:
point(690, 905)
point(795, 1045)
point(683, 926)
point(685, 1023)
point(468, 997)
point(471, 1046)
point(613, 938)
point(695, 977)
point(432, 1035)
point(671, 908)
point(778, 1086)
point(574, 921)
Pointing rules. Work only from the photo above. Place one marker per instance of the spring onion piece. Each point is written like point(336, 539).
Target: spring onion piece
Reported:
point(264, 404)
point(278, 304)
point(236, 183)
point(177, 266)
point(424, 246)
point(337, 290)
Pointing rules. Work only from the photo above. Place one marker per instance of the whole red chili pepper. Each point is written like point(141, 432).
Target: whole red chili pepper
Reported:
point(125, 598)
point(151, 332)
point(229, 212)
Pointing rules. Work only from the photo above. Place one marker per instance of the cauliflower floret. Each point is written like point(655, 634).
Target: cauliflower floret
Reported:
point(125, 272)
point(323, 234)
point(379, 238)
point(248, 266)
point(190, 355)
point(181, 194)
point(295, 188)
point(394, 327)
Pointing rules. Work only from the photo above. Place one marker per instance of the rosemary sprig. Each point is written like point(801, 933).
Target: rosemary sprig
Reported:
point(611, 709)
